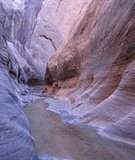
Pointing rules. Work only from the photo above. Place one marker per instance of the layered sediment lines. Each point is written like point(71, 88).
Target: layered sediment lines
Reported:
point(15, 139)
point(95, 67)
point(25, 48)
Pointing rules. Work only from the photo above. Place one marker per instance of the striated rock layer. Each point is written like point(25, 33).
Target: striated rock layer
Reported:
point(33, 33)
point(29, 35)
point(53, 24)
point(16, 143)
point(95, 68)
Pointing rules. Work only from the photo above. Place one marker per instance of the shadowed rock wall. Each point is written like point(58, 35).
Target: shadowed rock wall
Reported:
point(16, 142)
point(17, 25)
point(24, 49)
point(94, 68)
point(33, 33)
point(15, 139)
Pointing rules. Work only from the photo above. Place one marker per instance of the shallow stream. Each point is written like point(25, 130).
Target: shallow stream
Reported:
point(55, 140)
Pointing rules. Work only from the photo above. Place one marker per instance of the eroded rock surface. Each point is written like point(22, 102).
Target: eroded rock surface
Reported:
point(15, 139)
point(25, 48)
point(53, 26)
point(95, 68)
point(17, 26)
point(33, 33)
point(16, 143)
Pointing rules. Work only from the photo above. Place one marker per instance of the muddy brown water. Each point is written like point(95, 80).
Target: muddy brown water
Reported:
point(55, 139)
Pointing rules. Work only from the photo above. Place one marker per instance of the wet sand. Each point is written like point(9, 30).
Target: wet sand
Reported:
point(55, 139)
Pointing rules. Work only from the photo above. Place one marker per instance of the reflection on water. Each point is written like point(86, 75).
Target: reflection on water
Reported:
point(53, 158)
point(55, 139)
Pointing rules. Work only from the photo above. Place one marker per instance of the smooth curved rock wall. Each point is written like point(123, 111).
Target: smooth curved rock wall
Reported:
point(95, 68)
point(16, 142)
point(18, 24)
point(34, 30)
point(28, 37)
point(53, 26)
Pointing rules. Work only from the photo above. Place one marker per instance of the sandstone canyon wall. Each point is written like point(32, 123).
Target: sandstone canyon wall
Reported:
point(34, 30)
point(95, 67)
point(15, 139)
point(53, 25)
point(92, 67)
point(29, 34)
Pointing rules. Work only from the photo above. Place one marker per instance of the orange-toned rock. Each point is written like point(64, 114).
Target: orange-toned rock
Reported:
point(100, 52)
point(52, 27)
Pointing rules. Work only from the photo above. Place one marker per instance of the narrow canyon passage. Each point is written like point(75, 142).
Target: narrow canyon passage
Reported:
point(55, 140)
point(67, 79)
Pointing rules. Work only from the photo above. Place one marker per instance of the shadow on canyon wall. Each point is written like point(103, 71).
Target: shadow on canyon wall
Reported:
point(93, 66)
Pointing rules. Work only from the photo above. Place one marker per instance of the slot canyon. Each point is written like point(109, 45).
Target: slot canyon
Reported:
point(67, 79)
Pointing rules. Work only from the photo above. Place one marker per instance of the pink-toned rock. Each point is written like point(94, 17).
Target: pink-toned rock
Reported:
point(53, 25)
point(100, 53)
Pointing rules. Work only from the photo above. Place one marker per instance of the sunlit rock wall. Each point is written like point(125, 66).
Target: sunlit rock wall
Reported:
point(34, 30)
point(53, 25)
point(95, 68)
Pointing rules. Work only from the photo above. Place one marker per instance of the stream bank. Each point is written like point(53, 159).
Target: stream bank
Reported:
point(59, 140)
